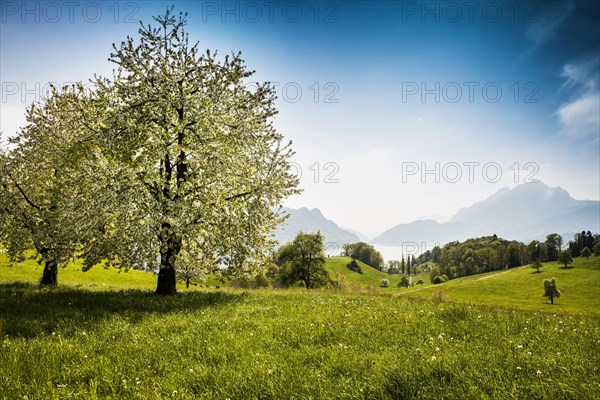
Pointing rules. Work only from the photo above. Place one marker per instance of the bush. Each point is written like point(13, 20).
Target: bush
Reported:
point(384, 283)
point(262, 281)
point(420, 282)
point(353, 266)
point(244, 283)
point(404, 282)
point(440, 279)
point(439, 296)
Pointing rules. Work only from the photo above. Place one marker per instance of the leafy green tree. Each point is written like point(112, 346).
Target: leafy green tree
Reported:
point(365, 253)
point(199, 159)
point(586, 253)
point(304, 260)
point(596, 249)
point(393, 267)
point(554, 243)
point(565, 257)
point(384, 283)
point(536, 264)
point(551, 289)
point(408, 265)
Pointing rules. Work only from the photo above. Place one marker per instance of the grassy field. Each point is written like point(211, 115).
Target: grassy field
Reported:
point(522, 288)
point(97, 277)
point(107, 339)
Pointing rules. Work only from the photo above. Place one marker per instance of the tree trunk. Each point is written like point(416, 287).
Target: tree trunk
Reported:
point(170, 247)
point(49, 277)
point(187, 283)
point(551, 299)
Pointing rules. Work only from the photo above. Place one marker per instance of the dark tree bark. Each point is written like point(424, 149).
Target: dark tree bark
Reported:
point(50, 274)
point(171, 245)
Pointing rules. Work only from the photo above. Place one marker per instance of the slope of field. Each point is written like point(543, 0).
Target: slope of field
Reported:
point(522, 287)
point(369, 276)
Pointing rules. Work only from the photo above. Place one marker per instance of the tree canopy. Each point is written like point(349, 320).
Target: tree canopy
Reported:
point(303, 259)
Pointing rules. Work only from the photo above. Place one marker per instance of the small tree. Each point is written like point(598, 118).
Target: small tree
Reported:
point(565, 257)
point(551, 289)
point(586, 253)
point(303, 260)
point(536, 264)
point(384, 283)
point(596, 249)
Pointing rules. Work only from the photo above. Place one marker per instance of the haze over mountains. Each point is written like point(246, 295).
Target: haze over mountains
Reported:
point(311, 221)
point(526, 212)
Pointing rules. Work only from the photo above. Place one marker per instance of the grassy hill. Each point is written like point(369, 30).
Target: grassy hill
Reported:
point(369, 276)
point(522, 287)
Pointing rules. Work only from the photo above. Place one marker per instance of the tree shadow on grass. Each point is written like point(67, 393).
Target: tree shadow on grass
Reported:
point(30, 311)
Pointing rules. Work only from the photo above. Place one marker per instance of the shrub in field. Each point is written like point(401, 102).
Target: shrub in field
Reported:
point(420, 282)
point(262, 281)
point(353, 266)
point(404, 282)
point(439, 296)
point(440, 279)
point(536, 265)
point(384, 283)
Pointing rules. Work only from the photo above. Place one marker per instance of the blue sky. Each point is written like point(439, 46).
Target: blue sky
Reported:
point(369, 91)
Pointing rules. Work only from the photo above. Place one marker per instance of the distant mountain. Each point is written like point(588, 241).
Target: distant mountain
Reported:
point(311, 221)
point(528, 211)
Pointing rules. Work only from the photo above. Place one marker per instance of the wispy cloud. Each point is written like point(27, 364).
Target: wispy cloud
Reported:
point(583, 74)
point(545, 29)
point(580, 117)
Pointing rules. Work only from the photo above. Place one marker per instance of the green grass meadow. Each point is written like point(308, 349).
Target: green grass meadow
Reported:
point(110, 337)
point(522, 288)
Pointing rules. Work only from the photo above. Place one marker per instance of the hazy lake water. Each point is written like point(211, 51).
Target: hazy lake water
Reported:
point(395, 252)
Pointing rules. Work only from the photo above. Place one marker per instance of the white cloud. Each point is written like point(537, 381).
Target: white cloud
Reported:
point(581, 117)
point(582, 74)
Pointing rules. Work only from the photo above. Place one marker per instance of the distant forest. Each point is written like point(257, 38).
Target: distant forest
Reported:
point(491, 253)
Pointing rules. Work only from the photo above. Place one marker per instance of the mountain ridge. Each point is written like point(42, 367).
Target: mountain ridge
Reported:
point(526, 212)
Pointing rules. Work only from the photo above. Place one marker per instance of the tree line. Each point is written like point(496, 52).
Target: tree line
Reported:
point(491, 253)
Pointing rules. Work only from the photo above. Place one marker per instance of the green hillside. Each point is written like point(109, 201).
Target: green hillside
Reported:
point(522, 287)
point(370, 275)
